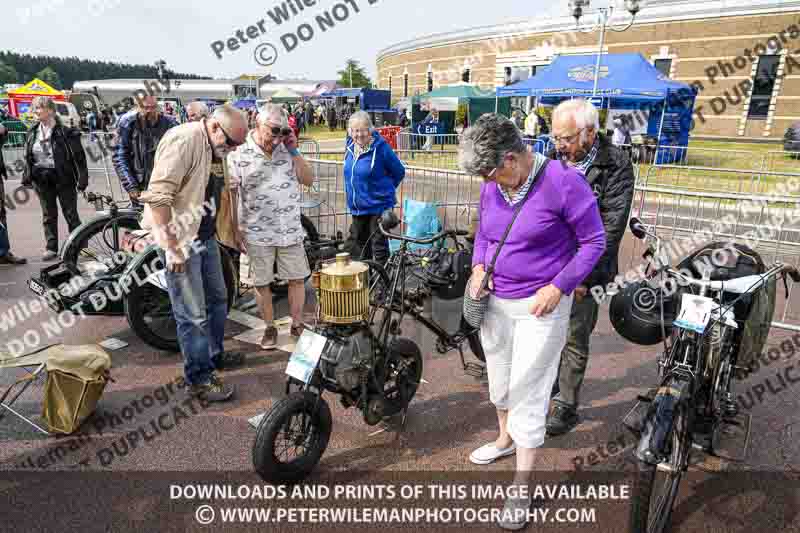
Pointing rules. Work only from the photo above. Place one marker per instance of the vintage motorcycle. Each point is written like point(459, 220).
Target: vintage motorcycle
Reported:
point(109, 267)
point(361, 356)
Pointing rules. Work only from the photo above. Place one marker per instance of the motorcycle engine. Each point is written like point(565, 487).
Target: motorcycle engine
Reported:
point(352, 355)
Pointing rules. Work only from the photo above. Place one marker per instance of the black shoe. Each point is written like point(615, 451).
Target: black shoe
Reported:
point(11, 259)
point(213, 391)
point(562, 420)
point(229, 360)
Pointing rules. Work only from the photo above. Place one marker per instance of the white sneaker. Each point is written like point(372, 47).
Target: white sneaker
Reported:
point(489, 453)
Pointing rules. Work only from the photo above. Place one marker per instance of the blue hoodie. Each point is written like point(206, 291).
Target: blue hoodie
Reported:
point(371, 182)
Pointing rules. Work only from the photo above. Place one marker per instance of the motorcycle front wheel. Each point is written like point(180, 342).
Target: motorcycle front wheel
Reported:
point(292, 437)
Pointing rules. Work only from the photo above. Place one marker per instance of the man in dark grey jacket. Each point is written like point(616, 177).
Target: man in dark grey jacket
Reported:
point(140, 131)
point(609, 172)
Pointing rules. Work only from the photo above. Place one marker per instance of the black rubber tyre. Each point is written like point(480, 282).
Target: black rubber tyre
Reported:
point(654, 491)
point(71, 252)
point(142, 297)
point(378, 282)
point(405, 377)
point(314, 430)
point(311, 231)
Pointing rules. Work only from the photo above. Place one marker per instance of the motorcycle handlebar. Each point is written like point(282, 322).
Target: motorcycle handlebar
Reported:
point(792, 272)
point(429, 240)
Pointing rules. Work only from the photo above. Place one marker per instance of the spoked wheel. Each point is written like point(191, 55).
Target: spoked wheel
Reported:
point(292, 438)
point(96, 244)
point(149, 310)
point(656, 486)
point(148, 307)
point(403, 372)
point(720, 403)
point(379, 288)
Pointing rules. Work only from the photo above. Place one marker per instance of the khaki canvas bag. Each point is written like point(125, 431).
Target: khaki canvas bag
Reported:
point(76, 379)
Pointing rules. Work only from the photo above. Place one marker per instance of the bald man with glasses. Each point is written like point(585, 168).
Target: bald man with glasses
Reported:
point(181, 206)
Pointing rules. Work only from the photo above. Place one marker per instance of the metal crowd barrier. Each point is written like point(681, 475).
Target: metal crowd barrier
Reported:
point(434, 159)
point(765, 218)
point(415, 141)
point(782, 161)
point(456, 193)
point(710, 179)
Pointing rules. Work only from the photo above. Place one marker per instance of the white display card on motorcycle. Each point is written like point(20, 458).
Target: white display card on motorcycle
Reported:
point(695, 312)
point(306, 355)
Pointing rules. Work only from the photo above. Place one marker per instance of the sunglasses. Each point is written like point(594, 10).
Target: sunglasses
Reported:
point(281, 131)
point(228, 140)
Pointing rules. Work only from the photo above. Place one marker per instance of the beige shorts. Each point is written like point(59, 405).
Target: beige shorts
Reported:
point(291, 260)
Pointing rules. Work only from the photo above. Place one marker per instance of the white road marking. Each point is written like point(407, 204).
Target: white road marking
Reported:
point(245, 319)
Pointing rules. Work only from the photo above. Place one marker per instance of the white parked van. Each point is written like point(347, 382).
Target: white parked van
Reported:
point(68, 114)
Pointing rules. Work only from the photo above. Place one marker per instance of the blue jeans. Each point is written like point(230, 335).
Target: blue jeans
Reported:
point(200, 304)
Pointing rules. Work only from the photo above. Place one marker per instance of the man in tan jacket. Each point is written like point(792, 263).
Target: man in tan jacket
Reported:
point(180, 209)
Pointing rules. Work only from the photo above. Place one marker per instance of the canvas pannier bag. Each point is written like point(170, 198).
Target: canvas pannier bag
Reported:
point(76, 379)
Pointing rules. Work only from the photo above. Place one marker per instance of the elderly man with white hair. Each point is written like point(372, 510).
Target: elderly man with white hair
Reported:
point(266, 174)
point(608, 171)
point(181, 203)
point(196, 110)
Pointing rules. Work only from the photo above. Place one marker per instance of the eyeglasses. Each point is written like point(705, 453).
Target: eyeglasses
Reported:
point(285, 132)
point(228, 140)
point(567, 139)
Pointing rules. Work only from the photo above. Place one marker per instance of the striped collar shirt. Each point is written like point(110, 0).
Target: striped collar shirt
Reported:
point(585, 164)
point(538, 161)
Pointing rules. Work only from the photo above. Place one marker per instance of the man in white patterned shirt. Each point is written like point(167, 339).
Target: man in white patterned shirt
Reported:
point(266, 174)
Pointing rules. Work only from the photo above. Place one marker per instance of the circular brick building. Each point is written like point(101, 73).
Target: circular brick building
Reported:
point(743, 57)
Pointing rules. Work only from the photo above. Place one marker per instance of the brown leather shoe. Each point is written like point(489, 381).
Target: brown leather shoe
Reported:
point(270, 339)
point(297, 330)
point(11, 259)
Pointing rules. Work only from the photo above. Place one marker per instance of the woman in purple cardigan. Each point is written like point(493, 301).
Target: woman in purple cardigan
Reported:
point(552, 246)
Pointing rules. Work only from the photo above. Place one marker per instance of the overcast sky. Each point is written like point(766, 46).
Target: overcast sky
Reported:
point(181, 32)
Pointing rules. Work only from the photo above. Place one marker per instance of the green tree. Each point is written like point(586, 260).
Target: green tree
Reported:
point(50, 77)
point(8, 74)
point(359, 77)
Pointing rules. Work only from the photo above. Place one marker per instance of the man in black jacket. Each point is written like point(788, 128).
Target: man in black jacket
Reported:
point(140, 131)
point(6, 257)
point(610, 174)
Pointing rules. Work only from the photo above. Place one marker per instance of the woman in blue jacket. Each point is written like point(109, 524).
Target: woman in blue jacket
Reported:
point(372, 173)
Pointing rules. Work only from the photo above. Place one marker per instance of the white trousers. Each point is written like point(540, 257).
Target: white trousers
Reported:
point(522, 358)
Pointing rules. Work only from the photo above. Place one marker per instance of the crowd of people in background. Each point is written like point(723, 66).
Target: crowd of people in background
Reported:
point(540, 278)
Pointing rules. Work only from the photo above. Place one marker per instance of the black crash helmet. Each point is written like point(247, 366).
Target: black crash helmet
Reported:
point(635, 313)
point(447, 273)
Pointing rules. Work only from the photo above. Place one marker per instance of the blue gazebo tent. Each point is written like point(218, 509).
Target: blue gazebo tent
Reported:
point(625, 82)
point(245, 103)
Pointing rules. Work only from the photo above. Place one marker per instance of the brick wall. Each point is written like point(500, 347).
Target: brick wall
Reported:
point(696, 44)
